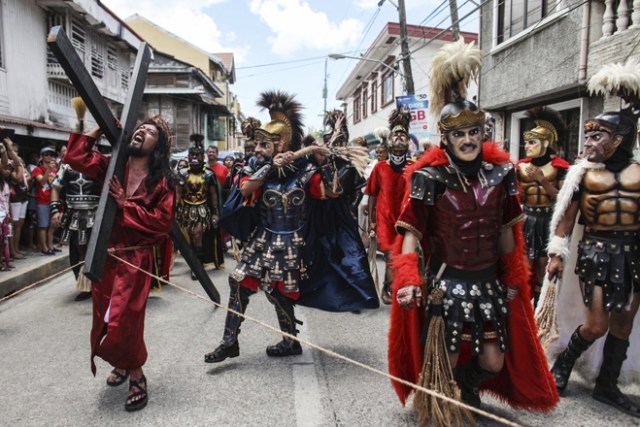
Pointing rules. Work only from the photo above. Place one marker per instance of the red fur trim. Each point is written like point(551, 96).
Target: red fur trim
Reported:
point(560, 163)
point(525, 160)
point(406, 271)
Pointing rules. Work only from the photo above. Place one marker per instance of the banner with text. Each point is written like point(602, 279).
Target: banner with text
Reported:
point(418, 106)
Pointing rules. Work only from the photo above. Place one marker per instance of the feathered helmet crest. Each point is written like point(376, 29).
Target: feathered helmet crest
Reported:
point(337, 130)
point(286, 120)
point(249, 126)
point(399, 121)
point(196, 146)
point(549, 126)
point(452, 69)
point(622, 80)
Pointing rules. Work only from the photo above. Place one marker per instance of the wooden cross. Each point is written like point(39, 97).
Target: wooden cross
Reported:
point(64, 51)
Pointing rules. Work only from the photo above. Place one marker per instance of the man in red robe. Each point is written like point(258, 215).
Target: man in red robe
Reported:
point(385, 189)
point(145, 214)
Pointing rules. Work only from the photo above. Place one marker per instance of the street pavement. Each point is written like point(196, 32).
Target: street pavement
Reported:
point(46, 380)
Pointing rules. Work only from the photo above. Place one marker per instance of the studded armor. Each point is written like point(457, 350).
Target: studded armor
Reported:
point(194, 207)
point(82, 195)
point(275, 251)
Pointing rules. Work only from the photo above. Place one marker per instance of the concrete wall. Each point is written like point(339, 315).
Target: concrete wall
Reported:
point(529, 66)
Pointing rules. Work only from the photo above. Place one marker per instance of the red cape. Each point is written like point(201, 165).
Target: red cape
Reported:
point(525, 381)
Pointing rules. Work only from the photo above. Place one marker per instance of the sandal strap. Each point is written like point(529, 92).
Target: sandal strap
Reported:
point(120, 375)
point(138, 384)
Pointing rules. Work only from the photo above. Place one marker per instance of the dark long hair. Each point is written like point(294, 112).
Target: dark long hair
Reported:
point(159, 160)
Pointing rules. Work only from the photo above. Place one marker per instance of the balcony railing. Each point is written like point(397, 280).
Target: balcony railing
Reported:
point(621, 18)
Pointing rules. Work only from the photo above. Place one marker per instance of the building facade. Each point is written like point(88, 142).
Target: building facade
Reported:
point(544, 54)
point(223, 118)
point(369, 92)
point(35, 93)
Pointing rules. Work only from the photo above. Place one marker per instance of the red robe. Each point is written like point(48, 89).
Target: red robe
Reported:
point(388, 186)
point(120, 299)
point(525, 381)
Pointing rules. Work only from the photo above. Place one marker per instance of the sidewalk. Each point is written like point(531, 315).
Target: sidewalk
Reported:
point(34, 268)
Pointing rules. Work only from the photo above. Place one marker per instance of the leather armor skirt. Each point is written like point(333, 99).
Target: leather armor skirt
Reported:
point(536, 230)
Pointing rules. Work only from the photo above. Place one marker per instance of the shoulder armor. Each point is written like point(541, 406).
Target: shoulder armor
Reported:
point(423, 185)
point(495, 174)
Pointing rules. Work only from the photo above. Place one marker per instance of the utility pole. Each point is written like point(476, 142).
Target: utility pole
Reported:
point(324, 90)
point(404, 44)
point(455, 28)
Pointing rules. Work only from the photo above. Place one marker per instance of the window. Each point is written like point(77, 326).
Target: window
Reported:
point(365, 100)
point(515, 16)
point(356, 108)
point(374, 96)
point(387, 89)
point(97, 58)
point(78, 38)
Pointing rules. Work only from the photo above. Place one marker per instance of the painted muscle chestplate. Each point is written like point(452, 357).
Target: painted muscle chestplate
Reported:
point(275, 251)
point(532, 193)
point(611, 201)
point(195, 187)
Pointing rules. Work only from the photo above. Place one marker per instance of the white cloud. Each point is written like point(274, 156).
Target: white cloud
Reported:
point(366, 4)
point(297, 27)
point(185, 19)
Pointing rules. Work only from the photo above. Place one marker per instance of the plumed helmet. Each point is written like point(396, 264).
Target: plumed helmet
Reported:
point(286, 120)
point(399, 121)
point(196, 146)
point(549, 126)
point(452, 68)
point(337, 132)
point(622, 80)
point(249, 126)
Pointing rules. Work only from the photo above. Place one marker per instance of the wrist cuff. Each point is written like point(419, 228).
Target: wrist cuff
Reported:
point(559, 246)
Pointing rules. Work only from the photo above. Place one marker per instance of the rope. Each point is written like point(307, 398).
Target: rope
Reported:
point(33, 285)
point(330, 352)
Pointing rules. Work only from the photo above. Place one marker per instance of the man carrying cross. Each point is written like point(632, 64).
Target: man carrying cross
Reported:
point(145, 213)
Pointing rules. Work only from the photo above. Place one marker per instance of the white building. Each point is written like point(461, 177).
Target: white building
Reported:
point(369, 92)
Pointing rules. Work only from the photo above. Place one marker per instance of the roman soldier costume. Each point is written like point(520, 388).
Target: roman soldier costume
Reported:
point(540, 175)
point(460, 202)
point(604, 187)
point(385, 188)
point(274, 221)
point(197, 210)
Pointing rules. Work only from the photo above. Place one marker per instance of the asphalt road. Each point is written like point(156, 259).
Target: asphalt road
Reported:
point(45, 377)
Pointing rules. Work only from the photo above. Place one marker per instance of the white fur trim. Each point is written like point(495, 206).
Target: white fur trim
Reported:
point(559, 246)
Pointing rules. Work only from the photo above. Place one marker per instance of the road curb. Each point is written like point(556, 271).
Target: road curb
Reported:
point(23, 277)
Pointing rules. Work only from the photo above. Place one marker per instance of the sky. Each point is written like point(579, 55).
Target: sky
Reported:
point(283, 44)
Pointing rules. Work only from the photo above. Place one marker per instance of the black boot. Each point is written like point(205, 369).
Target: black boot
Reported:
point(388, 278)
point(564, 363)
point(536, 294)
point(228, 348)
point(606, 389)
point(287, 322)
point(469, 378)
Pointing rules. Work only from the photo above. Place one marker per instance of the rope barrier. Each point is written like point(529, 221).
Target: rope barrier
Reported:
point(330, 352)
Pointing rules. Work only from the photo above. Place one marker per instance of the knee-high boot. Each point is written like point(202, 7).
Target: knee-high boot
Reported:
point(287, 322)
point(238, 301)
point(563, 366)
point(469, 378)
point(606, 389)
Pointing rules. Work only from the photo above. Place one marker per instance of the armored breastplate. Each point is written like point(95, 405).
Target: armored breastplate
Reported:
point(532, 193)
point(610, 201)
point(283, 205)
point(464, 227)
point(81, 192)
point(194, 189)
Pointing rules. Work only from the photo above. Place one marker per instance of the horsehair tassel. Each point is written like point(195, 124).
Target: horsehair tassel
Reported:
point(547, 317)
point(437, 374)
